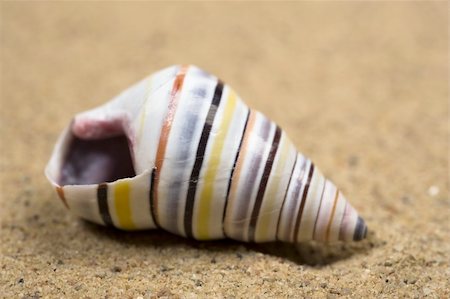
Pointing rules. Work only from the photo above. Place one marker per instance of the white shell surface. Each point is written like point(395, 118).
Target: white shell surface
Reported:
point(205, 166)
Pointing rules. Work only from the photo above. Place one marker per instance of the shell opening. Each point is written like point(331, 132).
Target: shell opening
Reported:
point(96, 161)
point(87, 159)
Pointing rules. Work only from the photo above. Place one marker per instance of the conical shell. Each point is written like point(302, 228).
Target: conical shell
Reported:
point(182, 152)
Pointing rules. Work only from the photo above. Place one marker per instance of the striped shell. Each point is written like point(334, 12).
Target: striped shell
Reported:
point(180, 151)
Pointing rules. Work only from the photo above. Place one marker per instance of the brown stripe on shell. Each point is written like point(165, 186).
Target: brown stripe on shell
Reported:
point(285, 195)
point(200, 155)
point(292, 201)
point(164, 137)
point(230, 181)
point(102, 199)
point(61, 195)
point(330, 221)
point(250, 179)
point(318, 211)
point(263, 184)
point(302, 203)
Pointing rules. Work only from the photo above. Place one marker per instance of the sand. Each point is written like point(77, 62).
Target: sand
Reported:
point(361, 88)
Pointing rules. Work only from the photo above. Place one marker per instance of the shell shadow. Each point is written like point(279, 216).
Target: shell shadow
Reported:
point(319, 254)
point(308, 253)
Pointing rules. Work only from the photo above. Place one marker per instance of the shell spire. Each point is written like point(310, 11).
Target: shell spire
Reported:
point(181, 151)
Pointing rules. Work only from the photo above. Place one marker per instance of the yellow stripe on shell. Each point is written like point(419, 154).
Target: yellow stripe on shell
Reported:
point(207, 193)
point(123, 205)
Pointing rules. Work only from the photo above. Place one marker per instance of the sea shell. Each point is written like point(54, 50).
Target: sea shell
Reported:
point(180, 151)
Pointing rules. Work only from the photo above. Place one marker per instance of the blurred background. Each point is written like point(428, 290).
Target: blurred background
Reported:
point(361, 88)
